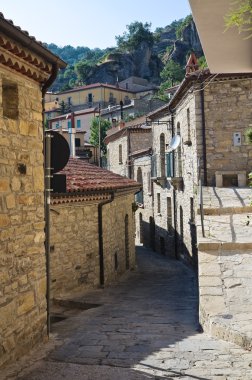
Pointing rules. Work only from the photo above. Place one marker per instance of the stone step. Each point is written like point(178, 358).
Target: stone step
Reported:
point(227, 228)
point(226, 210)
point(215, 197)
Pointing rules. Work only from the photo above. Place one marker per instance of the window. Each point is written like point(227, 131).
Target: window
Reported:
point(120, 154)
point(149, 183)
point(188, 123)
point(78, 123)
point(162, 155)
point(179, 154)
point(69, 124)
point(158, 203)
point(10, 100)
point(169, 215)
point(57, 125)
point(169, 164)
point(90, 98)
point(192, 212)
point(139, 195)
point(77, 143)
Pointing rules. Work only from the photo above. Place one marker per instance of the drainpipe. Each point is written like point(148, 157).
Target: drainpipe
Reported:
point(203, 124)
point(100, 232)
point(129, 161)
point(47, 171)
point(174, 194)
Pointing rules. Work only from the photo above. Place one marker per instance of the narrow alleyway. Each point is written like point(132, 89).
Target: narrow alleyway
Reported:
point(145, 328)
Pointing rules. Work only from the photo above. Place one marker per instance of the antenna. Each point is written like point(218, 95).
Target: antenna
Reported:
point(175, 142)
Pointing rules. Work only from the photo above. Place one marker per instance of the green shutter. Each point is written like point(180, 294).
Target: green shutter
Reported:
point(169, 164)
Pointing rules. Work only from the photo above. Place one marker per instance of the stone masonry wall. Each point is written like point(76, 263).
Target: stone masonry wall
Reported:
point(225, 288)
point(22, 253)
point(75, 243)
point(227, 110)
point(144, 213)
point(114, 164)
point(140, 140)
point(74, 247)
point(188, 119)
point(114, 237)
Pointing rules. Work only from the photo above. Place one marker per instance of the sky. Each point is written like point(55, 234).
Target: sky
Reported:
point(92, 23)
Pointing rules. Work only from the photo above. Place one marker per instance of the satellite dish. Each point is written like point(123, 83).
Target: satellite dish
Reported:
point(175, 142)
point(60, 151)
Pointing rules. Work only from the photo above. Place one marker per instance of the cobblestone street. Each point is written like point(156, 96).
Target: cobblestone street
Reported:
point(146, 327)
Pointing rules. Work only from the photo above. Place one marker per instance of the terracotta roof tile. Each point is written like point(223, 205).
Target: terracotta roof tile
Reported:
point(82, 176)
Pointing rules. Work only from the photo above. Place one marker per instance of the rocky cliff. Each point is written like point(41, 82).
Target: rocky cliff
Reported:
point(147, 62)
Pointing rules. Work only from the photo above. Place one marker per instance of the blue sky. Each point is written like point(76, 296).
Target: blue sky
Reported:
point(92, 23)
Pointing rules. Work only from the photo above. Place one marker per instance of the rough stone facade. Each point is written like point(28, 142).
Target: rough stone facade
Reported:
point(175, 196)
point(74, 247)
point(124, 140)
point(228, 112)
point(75, 261)
point(22, 253)
point(25, 68)
point(86, 223)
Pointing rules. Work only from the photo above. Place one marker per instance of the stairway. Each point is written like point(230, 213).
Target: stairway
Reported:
point(225, 264)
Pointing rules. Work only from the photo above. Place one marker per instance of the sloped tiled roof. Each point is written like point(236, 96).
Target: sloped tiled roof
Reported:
point(22, 36)
point(82, 176)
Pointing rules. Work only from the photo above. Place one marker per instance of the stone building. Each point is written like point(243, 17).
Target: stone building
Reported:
point(209, 115)
point(124, 140)
point(26, 71)
point(87, 220)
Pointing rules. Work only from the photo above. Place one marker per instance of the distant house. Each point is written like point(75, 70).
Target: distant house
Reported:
point(80, 120)
point(26, 71)
point(89, 96)
point(122, 141)
point(93, 228)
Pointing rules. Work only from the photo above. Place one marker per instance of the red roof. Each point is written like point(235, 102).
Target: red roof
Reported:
point(82, 176)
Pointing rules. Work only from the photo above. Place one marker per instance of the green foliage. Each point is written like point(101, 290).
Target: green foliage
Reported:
point(172, 73)
point(241, 16)
point(248, 135)
point(202, 62)
point(76, 58)
point(182, 24)
point(137, 32)
point(83, 69)
point(96, 125)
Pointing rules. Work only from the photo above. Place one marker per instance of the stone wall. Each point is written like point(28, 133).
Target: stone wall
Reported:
point(117, 217)
point(75, 243)
point(22, 252)
point(143, 214)
point(114, 164)
point(225, 288)
point(227, 111)
point(140, 140)
point(74, 247)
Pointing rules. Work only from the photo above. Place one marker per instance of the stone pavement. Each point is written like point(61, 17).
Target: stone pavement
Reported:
point(146, 327)
point(225, 264)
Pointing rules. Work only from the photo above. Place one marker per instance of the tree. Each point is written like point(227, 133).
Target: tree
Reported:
point(97, 124)
point(136, 34)
point(241, 17)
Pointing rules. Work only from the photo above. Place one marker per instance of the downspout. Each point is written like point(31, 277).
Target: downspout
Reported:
point(100, 232)
point(47, 171)
point(203, 124)
point(174, 194)
point(128, 154)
